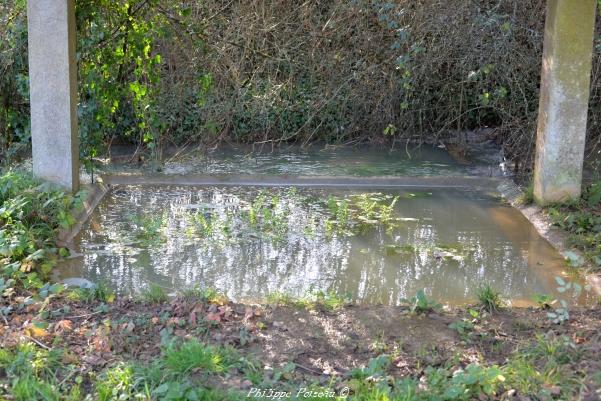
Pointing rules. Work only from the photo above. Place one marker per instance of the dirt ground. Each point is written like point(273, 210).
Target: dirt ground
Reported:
point(320, 343)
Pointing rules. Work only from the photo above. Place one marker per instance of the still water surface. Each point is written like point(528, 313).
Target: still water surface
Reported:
point(446, 241)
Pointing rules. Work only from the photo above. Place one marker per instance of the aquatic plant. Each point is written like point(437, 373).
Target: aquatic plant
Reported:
point(269, 216)
point(204, 222)
point(149, 229)
point(399, 249)
point(359, 213)
point(338, 222)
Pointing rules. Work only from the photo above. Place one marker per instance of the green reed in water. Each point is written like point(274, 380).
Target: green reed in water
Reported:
point(149, 229)
point(270, 216)
point(360, 213)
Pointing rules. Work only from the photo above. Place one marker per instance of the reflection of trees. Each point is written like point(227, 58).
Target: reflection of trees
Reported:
point(247, 265)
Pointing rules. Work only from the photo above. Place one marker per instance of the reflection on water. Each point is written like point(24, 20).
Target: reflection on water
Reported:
point(492, 243)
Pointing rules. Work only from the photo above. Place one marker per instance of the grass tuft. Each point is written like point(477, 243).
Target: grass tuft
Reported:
point(153, 294)
point(490, 299)
point(195, 356)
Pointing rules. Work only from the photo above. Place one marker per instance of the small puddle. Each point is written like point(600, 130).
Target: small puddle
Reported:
point(376, 246)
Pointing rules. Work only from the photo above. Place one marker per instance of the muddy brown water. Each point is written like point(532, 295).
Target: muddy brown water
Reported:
point(448, 241)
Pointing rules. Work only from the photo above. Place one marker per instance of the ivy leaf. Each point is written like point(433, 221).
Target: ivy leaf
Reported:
point(573, 259)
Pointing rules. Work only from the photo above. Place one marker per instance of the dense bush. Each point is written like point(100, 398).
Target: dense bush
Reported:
point(156, 72)
point(14, 85)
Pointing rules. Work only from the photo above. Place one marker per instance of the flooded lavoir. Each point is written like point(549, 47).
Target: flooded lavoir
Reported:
point(360, 161)
point(374, 246)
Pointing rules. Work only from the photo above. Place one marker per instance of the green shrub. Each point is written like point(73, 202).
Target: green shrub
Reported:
point(31, 215)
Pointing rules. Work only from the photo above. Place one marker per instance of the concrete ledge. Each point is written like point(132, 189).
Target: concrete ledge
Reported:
point(450, 182)
point(557, 237)
point(95, 193)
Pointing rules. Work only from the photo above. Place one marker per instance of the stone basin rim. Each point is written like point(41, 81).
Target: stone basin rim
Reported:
point(501, 185)
point(382, 182)
point(107, 182)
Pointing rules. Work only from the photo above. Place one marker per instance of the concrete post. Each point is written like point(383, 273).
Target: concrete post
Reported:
point(53, 91)
point(564, 99)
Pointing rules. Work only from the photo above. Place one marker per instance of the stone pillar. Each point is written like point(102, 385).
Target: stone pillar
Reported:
point(53, 91)
point(564, 99)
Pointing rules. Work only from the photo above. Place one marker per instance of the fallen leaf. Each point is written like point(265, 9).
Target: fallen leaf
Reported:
point(128, 327)
point(36, 332)
point(192, 319)
point(69, 358)
point(213, 317)
point(101, 344)
point(225, 311)
point(63, 325)
point(180, 333)
point(94, 360)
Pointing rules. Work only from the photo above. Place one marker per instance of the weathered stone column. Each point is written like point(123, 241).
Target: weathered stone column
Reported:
point(564, 99)
point(53, 91)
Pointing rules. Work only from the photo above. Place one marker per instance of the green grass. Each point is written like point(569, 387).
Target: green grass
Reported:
point(582, 220)
point(544, 301)
point(117, 383)
point(35, 373)
point(313, 299)
point(184, 368)
point(209, 295)
point(153, 294)
point(535, 368)
point(172, 376)
point(527, 197)
point(284, 299)
point(488, 298)
point(195, 356)
point(101, 292)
